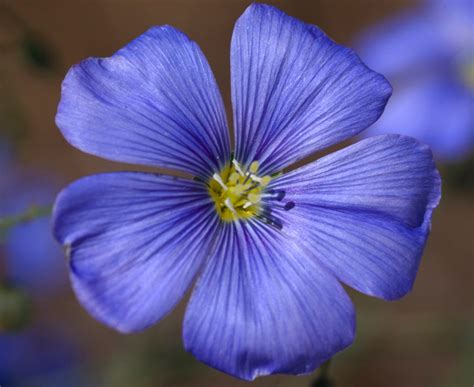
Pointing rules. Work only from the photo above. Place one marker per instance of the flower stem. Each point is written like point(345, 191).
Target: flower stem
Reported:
point(323, 379)
point(30, 214)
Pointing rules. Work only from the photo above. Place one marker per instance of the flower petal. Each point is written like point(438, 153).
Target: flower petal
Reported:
point(37, 264)
point(428, 39)
point(409, 44)
point(435, 110)
point(154, 102)
point(34, 259)
point(262, 307)
point(136, 242)
point(41, 355)
point(295, 91)
point(364, 212)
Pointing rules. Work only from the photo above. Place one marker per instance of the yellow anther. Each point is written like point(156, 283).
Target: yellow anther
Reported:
point(237, 167)
point(254, 167)
point(230, 206)
point(253, 197)
point(256, 178)
point(238, 189)
point(266, 180)
point(219, 180)
point(233, 178)
point(237, 195)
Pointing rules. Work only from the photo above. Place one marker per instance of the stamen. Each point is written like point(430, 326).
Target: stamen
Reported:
point(261, 180)
point(252, 187)
point(256, 178)
point(254, 167)
point(274, 195)
point(254, 198)
point(233, 178)
point(267, 219)
point(217, 178)
point(237, 192)
point(266, 180)
point(237, 167)
point(229, 205)
point(247, 176)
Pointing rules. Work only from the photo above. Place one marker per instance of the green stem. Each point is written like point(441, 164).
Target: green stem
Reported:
point(323, 379)
point(325, 369)
point(31, 213)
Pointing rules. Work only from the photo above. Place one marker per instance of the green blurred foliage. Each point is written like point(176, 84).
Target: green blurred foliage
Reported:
point(15, 309)
point(148, 363)
point(459, 175)
point(37, 52)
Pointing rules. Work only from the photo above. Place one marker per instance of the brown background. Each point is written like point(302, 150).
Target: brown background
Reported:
point(426, 339)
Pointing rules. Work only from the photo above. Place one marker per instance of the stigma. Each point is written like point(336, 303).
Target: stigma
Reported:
point(237, 191)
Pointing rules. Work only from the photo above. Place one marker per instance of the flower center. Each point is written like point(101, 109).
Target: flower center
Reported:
point(237, 193)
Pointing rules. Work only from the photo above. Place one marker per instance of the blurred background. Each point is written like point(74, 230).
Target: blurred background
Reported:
point(46, 339)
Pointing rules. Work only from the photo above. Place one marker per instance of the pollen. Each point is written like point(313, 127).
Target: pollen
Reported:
point(237, 191)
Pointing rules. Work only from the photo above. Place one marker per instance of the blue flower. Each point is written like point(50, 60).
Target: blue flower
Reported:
point(428, 55)
point(38, 357)
point(269, 250)
point(33, 259)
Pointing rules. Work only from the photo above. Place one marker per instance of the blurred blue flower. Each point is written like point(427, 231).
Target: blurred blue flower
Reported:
point(33, 259)
point(270, 249)
point(428, 56)
point(5, 154)
point(38, 357)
